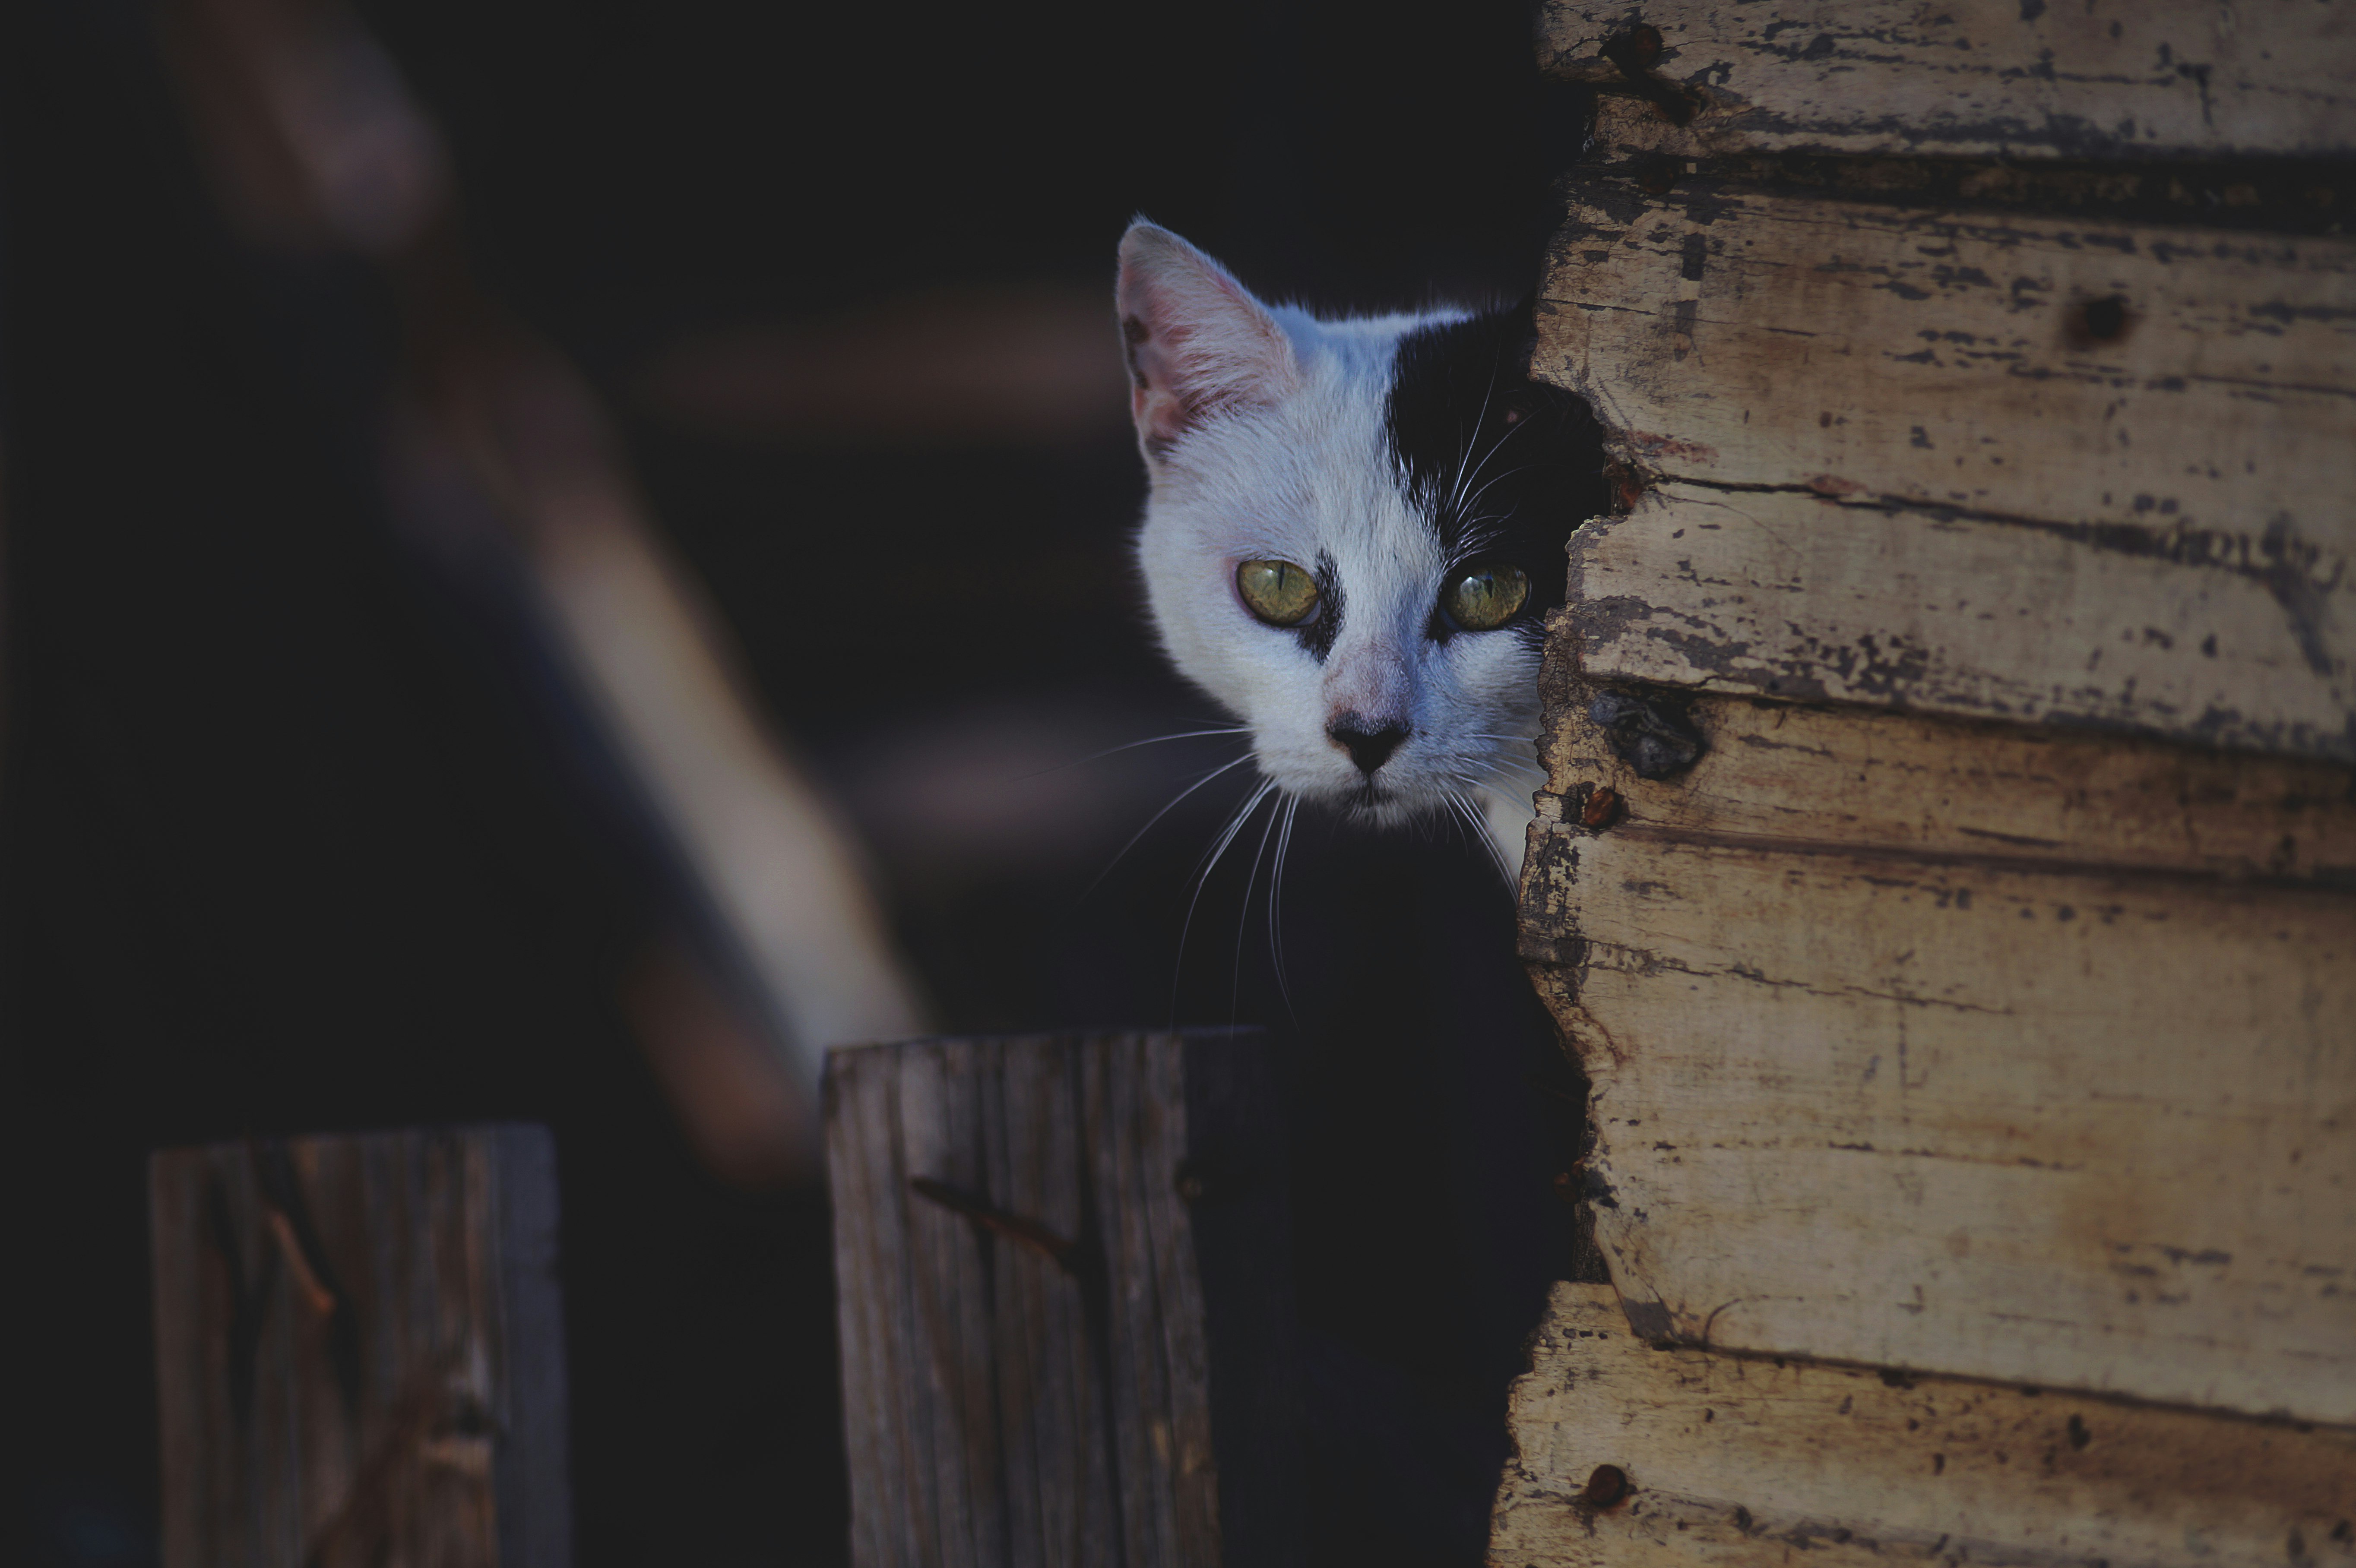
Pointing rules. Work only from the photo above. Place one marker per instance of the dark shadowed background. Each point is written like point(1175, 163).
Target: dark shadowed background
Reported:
point(294, 838)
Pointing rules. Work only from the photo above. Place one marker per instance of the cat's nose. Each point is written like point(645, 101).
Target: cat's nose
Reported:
point(1370, 742)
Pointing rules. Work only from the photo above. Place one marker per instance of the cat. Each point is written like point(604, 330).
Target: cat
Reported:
point(1354, 530)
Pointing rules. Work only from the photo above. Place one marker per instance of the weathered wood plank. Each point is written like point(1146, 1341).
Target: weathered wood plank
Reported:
point(2199, 387)
point(360, 1351)
point(1632, 144)
point(1060, 1265)
point(1784, 774)
point(1793, 596)
point(2062, 1126)
point(2149, 530)
point(2105, 78)
point(1740, 1461)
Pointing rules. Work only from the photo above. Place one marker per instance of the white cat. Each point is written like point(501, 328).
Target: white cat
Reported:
point(1354, 531)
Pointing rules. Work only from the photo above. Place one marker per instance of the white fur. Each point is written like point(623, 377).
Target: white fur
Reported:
point(1290, 463)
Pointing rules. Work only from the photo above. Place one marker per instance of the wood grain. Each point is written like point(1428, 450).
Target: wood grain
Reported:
point(1890, 465)
point(1070, 1343)
point(1806, 777)
point(1882, 353)
point(360, 1351)
point(2103, 79)
point(1790, 595)
point(1958, 1048)
point(1745, 1461)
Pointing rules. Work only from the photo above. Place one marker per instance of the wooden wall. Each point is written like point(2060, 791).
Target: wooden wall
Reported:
point(1946, 873)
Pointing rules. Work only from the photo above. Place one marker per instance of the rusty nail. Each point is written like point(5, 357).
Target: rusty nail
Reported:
point(1602, 810)
point(1565, 1189)
point(1636, 52)
point(998, 1222)
point(1658, 177)
point(1626, 487)
point(1607, 1486)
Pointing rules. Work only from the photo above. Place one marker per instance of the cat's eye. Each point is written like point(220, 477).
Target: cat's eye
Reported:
point(1278, 591)
point(1485, 597)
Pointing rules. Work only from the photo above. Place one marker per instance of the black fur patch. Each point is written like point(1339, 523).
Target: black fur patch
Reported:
point(1318, 635)
point(1501, 466)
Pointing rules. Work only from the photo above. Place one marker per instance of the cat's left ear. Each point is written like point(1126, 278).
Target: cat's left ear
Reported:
point(1199, 343)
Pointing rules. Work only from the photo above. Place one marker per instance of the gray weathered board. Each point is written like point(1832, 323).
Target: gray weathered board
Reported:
point(1061, 1266)
point(360, 1349)
point(2006, 1053)
point(1889, 464)
point(1749, 1462)
point(2076, 79)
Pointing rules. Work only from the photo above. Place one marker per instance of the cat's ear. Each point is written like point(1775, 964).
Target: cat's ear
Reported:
point(1199, 345)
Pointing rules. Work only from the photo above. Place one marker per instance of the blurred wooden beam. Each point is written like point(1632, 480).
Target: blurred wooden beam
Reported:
point(503, 471)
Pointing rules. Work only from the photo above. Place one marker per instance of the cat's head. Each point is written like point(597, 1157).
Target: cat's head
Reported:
point(1355, 528)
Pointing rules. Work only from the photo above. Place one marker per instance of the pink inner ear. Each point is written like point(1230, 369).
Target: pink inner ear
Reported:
point(1158, 402)
point(1198, 343)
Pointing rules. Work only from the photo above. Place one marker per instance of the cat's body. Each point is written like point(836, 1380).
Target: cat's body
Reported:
point(1354, 531)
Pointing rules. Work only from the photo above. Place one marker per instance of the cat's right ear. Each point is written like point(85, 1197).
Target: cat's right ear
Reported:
point(1199, 345)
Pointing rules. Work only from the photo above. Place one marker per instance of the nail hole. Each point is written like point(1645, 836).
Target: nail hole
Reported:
point(1607, 1486)
point(1638, 48)
point(1658, 177)
point(2104, 320)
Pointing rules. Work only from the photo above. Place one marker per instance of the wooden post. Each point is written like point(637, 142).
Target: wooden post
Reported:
point(359, 1348)
point(1063, 1278)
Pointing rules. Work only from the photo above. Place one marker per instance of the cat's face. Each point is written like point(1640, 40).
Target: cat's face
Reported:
point(1354, 531)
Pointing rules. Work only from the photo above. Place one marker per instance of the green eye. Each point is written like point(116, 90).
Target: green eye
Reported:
point(1278, 591)
point(1486, 597)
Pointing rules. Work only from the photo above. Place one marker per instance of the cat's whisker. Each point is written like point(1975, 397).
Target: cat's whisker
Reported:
point(1242, 921)
point(1463, 478)
point(1459, 808)
point(1276, 904)
point(1495, 447)
point(1508, 473)
point(1478, 823)
point(1157, 816)
point(1203, 878)
point(1130, 746)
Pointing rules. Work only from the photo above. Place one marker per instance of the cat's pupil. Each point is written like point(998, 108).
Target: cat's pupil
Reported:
point(1486, 597)
point(1278, 591)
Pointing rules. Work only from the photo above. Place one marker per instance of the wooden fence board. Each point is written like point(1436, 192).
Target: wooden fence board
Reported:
point(1061, 1271)
point(1882, 353)
point(2064, 1127)
point(1740, 1462)
point(2101, 78)
point(360, 1351)
point(1790, 595)
point(1789, 774)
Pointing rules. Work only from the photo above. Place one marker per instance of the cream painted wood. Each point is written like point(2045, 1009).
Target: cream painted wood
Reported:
point(1791, 595)
point(2088, 79)
point(1750, 1463)
point(1949, 359)
point(1802, 776)
point(2082, 1127)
